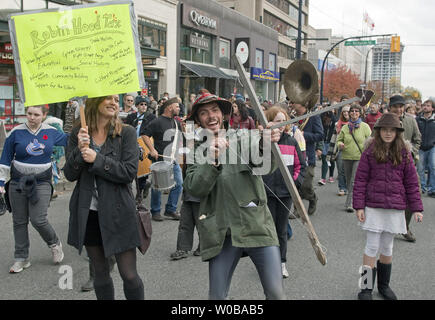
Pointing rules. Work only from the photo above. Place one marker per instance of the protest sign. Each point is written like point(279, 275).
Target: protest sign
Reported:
point(87, 50)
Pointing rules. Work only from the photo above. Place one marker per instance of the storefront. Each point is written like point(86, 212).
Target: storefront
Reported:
point(209, 36)
point(12, 111)
point(158, 41)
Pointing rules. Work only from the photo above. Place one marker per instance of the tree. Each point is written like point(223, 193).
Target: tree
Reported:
point(411, 93)
point(395, 86)
point(376, 87)
point(340, 81)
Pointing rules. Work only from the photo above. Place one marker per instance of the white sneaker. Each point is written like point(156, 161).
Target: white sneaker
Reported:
point(19, 266)
point(57, 252)
point(284, 271)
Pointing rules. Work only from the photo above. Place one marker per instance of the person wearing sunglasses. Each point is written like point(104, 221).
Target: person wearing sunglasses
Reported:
point(351, 142)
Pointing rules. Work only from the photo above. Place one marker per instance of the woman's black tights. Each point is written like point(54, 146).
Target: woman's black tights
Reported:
point(103, 284)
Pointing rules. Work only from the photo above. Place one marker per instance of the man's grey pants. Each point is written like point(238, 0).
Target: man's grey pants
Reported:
point(23, 210)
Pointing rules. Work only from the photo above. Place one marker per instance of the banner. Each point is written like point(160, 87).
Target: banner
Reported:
point(262, 74)
point(90, 50)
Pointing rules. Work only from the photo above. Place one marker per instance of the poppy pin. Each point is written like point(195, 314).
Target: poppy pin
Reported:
point(45, 137)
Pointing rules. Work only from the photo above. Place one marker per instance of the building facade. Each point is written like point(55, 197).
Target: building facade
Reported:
point(209, 35)
point(157, 30)
point(387, 66)
point(157, 26)
point(282, 16)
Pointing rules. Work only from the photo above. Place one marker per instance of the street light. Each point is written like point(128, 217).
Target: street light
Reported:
point(332, 48)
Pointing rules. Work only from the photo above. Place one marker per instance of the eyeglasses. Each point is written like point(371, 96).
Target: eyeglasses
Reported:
point(351, 111)
point(142, 104)
point(130, 100)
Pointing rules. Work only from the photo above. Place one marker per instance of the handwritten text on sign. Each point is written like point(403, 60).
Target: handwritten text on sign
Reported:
point(86, 51)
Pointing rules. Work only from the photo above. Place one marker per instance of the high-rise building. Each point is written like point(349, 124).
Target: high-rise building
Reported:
point(282, 16)
point(387, 66)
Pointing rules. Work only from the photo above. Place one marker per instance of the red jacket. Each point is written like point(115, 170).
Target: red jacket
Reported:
point(372, 118)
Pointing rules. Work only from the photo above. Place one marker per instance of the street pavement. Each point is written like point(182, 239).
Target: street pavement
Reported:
point(187, 279)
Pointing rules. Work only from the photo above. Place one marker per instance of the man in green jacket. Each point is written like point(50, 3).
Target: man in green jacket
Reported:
point(234, 219)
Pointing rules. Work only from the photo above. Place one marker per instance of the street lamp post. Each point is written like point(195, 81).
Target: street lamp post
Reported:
point(299, 39)
point(332, 48)
point(365, 69)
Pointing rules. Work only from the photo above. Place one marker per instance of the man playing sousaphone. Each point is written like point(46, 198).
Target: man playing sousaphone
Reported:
point(234, 220)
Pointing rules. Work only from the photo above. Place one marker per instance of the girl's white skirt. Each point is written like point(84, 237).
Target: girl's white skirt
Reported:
point(379, 220)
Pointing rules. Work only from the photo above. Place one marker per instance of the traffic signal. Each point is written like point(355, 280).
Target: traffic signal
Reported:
point(395, 44)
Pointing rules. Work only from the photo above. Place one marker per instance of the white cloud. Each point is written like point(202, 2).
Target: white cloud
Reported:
point(411, 20)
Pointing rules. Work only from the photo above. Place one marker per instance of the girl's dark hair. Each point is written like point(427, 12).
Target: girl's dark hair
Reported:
point(394, 153)
point(243, 109)
point(91, 115)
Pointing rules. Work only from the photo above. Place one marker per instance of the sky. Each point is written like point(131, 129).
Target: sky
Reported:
point(413, 21)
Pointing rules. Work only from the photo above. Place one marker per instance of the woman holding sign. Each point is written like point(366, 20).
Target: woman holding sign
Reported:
point(27, 158)
point(102, 157)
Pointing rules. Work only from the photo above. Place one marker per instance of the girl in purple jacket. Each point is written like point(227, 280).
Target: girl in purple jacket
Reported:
point(385, 184)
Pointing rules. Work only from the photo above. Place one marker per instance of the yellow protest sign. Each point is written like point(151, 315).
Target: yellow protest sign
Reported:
point(89, 50)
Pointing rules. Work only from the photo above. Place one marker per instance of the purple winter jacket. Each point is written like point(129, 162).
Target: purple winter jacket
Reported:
point(382, 185)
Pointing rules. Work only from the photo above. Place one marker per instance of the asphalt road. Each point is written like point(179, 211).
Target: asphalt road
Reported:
point(187, 279)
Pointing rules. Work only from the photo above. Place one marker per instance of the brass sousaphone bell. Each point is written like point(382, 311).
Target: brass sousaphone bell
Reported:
point(301, 83)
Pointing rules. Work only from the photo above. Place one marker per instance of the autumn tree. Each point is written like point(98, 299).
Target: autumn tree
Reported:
point(395, 86)
point(340, 81)
point(376, 87)
point(411, 93)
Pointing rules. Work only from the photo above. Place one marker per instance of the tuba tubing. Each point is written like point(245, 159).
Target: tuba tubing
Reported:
point(301, 83)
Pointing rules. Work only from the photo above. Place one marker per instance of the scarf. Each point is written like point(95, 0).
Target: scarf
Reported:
point(354, 124)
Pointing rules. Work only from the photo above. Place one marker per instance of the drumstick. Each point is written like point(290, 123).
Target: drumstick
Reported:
point(161, 155)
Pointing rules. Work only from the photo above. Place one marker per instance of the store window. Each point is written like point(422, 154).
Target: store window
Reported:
point(152, 34)
point(12, 111)
point(196, 54)
point(272, 62)
point(224, 53)
point(259, 58)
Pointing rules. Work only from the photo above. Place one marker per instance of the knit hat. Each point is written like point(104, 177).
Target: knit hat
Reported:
point(389, 120)
point(205, 98)
point(238, 96)
point(139, 99)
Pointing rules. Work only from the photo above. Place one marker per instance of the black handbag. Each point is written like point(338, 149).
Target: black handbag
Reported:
point(145, 228)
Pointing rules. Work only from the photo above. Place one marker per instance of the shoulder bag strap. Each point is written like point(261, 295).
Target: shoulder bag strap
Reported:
point(175, 142)
point(356, 142)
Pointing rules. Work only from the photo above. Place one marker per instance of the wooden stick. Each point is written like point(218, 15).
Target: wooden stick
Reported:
point(82, 116)
point(288, 180)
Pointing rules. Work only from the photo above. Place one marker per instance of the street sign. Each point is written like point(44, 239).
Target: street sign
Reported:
point(360, 43)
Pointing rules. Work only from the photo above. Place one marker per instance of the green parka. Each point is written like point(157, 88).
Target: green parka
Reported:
point(233, 200)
